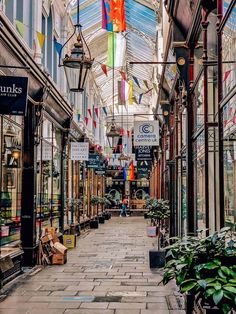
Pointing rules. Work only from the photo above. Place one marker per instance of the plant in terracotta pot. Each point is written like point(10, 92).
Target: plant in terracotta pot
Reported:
point(205, 269)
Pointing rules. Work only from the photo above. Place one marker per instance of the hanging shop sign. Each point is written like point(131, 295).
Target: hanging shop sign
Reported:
point(13, 95)
point(144, 153)
point(101, 171)
point(146, 133)
point(144, 169)
point(94, 161)
point(79, 151)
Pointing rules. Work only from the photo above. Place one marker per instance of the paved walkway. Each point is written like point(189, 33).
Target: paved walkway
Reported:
point(107, 273)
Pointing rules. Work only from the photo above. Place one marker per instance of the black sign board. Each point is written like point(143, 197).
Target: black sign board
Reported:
point(143, 169)
point(144, 153)
point(94, 161)
point(13, 95)
point(101, 170)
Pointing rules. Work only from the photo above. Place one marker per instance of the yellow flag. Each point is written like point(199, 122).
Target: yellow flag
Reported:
point(20, 27)
point(41, 38)
point(130, 92)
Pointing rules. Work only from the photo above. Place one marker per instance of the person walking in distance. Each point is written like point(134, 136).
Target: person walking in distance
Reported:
point(123, 208)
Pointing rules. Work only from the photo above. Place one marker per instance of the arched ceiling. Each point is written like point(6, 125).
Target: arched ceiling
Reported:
point(140, 45)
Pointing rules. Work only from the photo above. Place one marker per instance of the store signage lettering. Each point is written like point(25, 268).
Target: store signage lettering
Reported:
point(46, 152)
point(144, 168)
point(13, 95)
point(143, 153)
point(79, 151)
point(94, 161)
point(146, 133)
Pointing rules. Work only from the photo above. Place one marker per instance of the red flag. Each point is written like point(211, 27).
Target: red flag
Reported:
point(131, 169)
point(90, 112)
point(122, 131)
point(86, 120)
point(226, 75)
point(95, 124)
point(104, 69)
point(113, 15)
point(96, 111)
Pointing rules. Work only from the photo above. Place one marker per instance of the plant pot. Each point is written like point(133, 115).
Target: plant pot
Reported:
point(145, 215)
point(106, 216)
point(156, 259)
point(228, 260)
point(93, 224)
point(101, 219)
point(190, 302)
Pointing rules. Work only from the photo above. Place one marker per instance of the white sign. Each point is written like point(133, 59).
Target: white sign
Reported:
point(146, 133)
point(46, 151)
point(79, 151)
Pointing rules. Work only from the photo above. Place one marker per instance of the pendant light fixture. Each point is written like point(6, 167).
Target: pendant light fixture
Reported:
point(77, 64)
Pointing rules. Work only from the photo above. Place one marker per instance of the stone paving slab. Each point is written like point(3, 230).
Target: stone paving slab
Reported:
point(108, 273)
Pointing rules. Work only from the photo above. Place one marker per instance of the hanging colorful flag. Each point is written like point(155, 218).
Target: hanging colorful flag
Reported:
point(20, 27)
point(78, 117)
point(58, 47)
point(226, 75)
point(136, 81)
point(155, 87)
point(104, 69)
point(131, 172)
point(134, 100)
point(90, 112)
point(130, 92)
point(41, 38)
point(116, 49)
point(140, 98)
point(113, 15)
point(124, 174)
point(122, 132)
point(96, 111)
point(104, 110)
point(86, 120)
point(95, 123)
point(146, 83)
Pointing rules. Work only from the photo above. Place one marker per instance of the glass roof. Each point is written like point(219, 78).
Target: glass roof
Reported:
point(140, 38)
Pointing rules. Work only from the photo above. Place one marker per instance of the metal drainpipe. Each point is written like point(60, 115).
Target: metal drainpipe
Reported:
point(205, 24)
point(220, 122)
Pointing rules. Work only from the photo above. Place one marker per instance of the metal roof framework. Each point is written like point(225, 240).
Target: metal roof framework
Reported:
point(141, 36)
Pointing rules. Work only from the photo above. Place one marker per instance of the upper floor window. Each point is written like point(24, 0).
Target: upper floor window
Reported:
point(22, 11)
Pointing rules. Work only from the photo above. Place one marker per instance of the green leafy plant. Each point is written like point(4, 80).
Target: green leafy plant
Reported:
point(159, 210)
point(205, 267)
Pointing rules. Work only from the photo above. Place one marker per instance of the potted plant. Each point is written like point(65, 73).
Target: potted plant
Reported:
point(205, 269)
point(94, 201)
point(158, 214)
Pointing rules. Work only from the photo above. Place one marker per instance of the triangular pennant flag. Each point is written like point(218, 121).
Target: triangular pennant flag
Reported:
point(90, 112)
point(155, 87)
point(135, 100)
point(95, 124)
point(96, 111)
point(41, 38)
point(140, 98)
point(226, 75)
point(20, 27)
point(146, 83)
point(78, 117)
point(136, 81)
point(86, 120)
point(123, 75)
point(130, 92)
point(58, 47)
point(104, 110)
point(104, 69)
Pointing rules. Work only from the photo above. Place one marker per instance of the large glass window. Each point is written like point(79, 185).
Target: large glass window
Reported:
point(10, 179)
point(229, 118)
point(229, 52)
point(48, 178)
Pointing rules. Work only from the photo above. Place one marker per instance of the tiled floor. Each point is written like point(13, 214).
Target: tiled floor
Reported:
point(108, 273)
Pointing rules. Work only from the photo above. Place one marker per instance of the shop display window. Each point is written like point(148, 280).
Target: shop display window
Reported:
point(11, 179)
point(199, 169)
point(229, 118)
point(229, 52)
point(48, 178)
